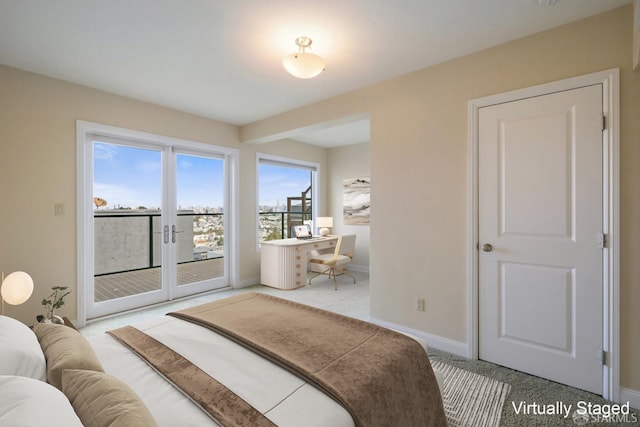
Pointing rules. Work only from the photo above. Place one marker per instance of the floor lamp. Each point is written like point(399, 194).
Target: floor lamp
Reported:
point(15, 289)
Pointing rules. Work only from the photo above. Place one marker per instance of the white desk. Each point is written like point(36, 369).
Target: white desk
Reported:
point(283, 263)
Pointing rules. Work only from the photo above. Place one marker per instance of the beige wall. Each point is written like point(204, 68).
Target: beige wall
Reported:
point(352, 161)
point(419, 161)
point(636, 35)
point(38, 169)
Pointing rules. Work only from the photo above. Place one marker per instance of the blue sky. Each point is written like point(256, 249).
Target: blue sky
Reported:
point(278, 182)
point(131, 177)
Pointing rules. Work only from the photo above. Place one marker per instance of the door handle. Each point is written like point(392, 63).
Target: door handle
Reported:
point(174, 232)
point(487, 247)
point(166, 234)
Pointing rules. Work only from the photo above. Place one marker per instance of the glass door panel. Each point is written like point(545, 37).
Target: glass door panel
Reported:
point(200, 223)
point(127, 225)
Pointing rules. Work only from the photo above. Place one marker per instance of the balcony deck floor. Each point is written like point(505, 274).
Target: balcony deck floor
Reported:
point(118, 285)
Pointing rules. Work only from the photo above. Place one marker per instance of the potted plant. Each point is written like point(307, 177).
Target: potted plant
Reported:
point(53, 302)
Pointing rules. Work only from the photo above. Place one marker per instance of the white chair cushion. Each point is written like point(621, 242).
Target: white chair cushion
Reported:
point(326, 258)
point(322, 258)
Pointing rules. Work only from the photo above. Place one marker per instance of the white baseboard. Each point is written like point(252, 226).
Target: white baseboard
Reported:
point(246, 282)
point(630, 395)
point(358, 268)
point(433, 341)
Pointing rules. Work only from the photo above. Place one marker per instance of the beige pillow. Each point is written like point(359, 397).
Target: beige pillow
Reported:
point(64, 348)
point(102, 400)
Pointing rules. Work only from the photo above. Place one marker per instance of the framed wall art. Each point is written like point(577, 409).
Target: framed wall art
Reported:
point(356, 199)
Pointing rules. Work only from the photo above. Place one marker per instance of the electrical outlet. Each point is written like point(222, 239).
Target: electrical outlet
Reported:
point(59, 209)
point(419, 304)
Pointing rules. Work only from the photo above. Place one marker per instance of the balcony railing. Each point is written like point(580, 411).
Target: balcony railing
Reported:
point(128, 248)
point(277, 225)
point(132, 240)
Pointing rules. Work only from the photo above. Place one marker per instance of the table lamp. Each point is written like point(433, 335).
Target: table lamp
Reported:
point(15, 289)
point(324, 223)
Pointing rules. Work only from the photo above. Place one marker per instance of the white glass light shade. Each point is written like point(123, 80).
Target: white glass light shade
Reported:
point(324, 223)
point(17, 288)
point(303, 65)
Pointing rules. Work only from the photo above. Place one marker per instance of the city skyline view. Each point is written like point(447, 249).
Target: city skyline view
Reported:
point(130, 177)
point(279, 182)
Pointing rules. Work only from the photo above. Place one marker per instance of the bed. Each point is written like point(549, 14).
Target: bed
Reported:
point(355, 378)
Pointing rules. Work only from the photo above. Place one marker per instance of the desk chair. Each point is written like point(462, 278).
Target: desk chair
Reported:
point(335, 262)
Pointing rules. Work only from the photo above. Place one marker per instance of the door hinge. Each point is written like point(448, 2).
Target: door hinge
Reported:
point(603, 241)
point(605, 357)
point(604, 122)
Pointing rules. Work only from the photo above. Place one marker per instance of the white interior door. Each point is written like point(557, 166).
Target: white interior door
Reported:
point(540, 223)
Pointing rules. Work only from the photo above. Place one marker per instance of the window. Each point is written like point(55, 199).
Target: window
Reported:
point(286, 195)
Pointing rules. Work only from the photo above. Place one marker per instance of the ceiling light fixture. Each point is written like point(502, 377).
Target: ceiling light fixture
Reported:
point(303, 64)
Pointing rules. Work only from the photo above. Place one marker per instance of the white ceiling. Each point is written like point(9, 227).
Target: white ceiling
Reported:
point(330, 135)
point(222, 58)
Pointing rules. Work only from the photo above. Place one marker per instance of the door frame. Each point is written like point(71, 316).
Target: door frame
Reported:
point(610, 80)
point(84, 192)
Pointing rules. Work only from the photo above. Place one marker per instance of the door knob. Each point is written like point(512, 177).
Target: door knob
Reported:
point(487, 247)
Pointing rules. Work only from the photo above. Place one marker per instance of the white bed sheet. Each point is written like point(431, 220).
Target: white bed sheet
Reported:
point(281, 396)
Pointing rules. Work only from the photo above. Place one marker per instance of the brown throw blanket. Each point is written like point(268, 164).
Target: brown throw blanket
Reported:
point(222, 404)
point(383, 378)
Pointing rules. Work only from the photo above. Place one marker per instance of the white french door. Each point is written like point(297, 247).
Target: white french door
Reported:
point(199, 260)
point(155, 219)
